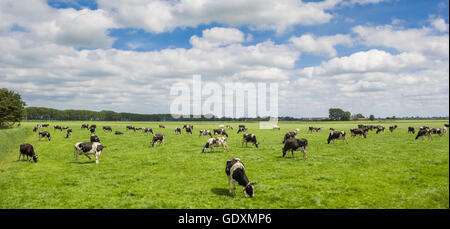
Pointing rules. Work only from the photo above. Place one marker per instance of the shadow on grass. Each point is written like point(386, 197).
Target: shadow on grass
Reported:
point(221, 192)
point(81, 162)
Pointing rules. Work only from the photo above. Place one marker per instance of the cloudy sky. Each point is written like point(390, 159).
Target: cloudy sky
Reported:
point(381, 57)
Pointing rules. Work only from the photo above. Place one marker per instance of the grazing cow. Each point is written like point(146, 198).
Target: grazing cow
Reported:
point(317, 129)
point(289, 135)
point(69, 133)
point(235, 171)
point(205, 132)
point(178, 130)
point(95, 138)
point(411, 130)
point(44, 134)
point(86, 148)
point(138, 128)
point(221, 126)
point(107, 128)
point(220, 131)
point(293, 144)
point(84, 126)
point(242, 128)
point(57, 127)
point(229, 127)
point(358, 131)
point(337, 135)
point(380, 129)
point(424, 132)
point(35, 129)
point(212, 142)
point(92, 129)
point(130, 128)
point(45, 125)
point(162, 126)
point(64, 127)
point(147, 130)
point(392, 128)
point(188, 126)
point(118, 132)
point(189, 129)
point(27, 150)
point(276, 128)
point(249, 138)
point(436, 131)
point(158, 138)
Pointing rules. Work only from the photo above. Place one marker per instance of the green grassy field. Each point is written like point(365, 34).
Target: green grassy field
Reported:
point(386, 170)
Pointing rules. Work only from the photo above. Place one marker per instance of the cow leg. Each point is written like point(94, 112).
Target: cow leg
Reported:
point(96, 158)
point(234, 188)
point(229, 183)
point(88, 156)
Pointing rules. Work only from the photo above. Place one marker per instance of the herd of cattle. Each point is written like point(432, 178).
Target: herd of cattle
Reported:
point(234, 167)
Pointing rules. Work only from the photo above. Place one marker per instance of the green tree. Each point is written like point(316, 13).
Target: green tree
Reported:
point(11, 108)
point(372, 117)
point(338, 114)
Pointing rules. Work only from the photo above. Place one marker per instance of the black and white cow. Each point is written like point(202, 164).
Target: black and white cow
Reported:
point(437, 131)
point(392, 128)
point(188, 126)
point(92, 129)
point(289, 135)
point(45, 125)
point(235, 171)
point(44, 134)
point(220, 131)
point(147, 130)
point(118, 133)
point(177, 130)
point(57, 127)
point(188, 129)
point(162, 126)
point(27, 150)
point(380, 129)
point(86, 148)
point(337, 135)
point(95, 138)
point(411, 130)
point(130, 128)
point(69, 133)
point(205, 132)
point(358, 131)
point(242, 128)
point(246, 138)
point(229, 127)
point(107, 128)
point(84, 126)
point(424, 132)
point(158, 138)
point(293, 144)
point(218, 141)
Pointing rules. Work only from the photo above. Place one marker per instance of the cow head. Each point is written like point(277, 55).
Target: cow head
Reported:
point(250, 189)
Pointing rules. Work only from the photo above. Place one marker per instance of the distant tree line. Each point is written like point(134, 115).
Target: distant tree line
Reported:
point(43, 113)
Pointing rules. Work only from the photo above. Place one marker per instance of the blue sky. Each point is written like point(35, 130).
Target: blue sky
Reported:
point(366, 56)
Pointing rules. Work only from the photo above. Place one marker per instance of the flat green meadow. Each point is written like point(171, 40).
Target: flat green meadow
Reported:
point(386, 170)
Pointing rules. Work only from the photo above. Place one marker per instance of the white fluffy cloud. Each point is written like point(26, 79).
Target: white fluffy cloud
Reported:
point(76, 28)
point(159, 16)
point(423, 40)
point(320, 45)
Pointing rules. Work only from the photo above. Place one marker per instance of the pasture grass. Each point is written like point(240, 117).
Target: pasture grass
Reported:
point(386, 170)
